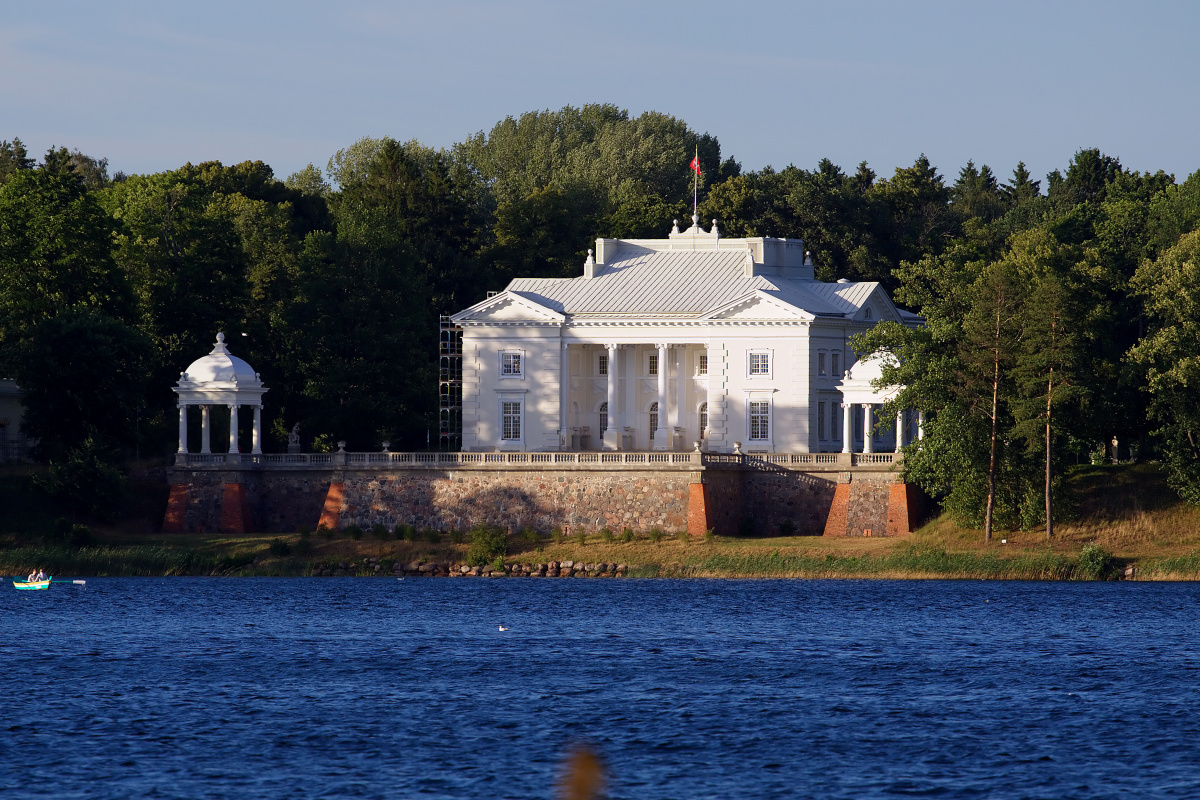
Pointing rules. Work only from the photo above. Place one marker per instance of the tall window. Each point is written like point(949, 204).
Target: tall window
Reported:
point(835, 430)
point(510, 364)
point(820, 363)
point(652, 364)
point(760, 420)
point(510, 413)
point(836, 372)
point(703, 419)
point(702, 363)
point(760, 364)
point(821, 421)
point(603, 417)
point(653, 419)
point(602, 365)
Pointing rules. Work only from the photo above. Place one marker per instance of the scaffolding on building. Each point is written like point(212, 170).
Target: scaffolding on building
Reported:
point(450, 386)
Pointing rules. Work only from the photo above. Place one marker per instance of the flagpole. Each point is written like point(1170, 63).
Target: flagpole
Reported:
point(695, 186)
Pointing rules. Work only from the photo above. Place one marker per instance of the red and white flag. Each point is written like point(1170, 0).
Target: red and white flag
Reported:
point(695, 165)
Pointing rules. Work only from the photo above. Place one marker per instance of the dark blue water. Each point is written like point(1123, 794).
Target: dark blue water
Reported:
point(271, 688)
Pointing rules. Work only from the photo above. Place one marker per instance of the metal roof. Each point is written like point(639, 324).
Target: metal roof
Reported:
point(682, 284)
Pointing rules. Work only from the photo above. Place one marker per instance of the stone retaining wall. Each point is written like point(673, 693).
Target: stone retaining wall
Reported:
point(725, 500)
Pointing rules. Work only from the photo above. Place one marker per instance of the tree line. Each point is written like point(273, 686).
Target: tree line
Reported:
point(1057, 319)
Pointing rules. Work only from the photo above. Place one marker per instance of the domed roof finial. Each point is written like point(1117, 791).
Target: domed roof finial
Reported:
point(675, 226)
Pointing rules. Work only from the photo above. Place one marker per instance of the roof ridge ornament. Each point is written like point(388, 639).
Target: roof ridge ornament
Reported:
point(220, 347)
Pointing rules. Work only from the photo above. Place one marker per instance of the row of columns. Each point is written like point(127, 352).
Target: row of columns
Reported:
point(205, 429)
point(662, 437)
point(868, 444)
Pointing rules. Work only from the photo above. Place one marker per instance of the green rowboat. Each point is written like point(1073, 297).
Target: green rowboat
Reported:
point(33, 584)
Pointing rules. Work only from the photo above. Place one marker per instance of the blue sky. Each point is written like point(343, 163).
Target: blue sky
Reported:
point(151, 85)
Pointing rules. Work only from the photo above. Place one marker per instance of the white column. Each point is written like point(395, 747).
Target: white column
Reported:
point(662, 437)
point(630, 410)
point(920, 425)
point(205, 443)
point(847, 428)
point(682, 379)
point(256, 443)
point(564, 377)
point(183, 428)
point(612, 437)
point(233, 429)
point(868, 446)
point(899, 431)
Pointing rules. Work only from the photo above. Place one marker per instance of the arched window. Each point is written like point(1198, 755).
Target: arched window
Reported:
point(867, 312)
point(603, 417)
point(703, 419)
point(653, 419)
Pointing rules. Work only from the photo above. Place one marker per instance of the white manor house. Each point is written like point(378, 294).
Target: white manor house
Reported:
point(665, 343)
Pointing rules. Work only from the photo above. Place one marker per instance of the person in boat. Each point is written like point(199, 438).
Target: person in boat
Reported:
point(32, 577)
point(41, 576)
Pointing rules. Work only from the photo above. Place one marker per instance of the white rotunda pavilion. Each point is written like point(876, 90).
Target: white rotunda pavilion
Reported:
point(220, 379)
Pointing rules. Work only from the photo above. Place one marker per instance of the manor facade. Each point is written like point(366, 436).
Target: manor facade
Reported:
point(665, 343)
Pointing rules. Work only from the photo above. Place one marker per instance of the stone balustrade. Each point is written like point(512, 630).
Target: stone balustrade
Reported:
point(805, 462)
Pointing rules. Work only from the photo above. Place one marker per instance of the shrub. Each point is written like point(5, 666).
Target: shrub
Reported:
point(279, 547)
point(74, 535)
point(606, 535)
point(379, 531)
point(1095, 563)
point(626, 535)
point(710, 536)
point(487, 543)
point(88, 481)
point(456, 536)
point(324, 533)
point(498, 564)
point(581, 537)
point(353, 531)
point(431, 536)
point(406, 532)
point(557, 534)
point(683, 536)
point(656, 535)
point(530, 536)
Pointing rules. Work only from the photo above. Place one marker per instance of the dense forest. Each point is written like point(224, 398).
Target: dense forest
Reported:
point(1059, 316)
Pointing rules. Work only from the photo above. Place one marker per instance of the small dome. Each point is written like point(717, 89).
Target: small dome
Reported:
point(220, 366)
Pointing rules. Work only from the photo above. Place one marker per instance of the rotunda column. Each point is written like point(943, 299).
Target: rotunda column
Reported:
point(183, 428)
point(847, 428)
point(868, 446)
point(233, 428)
point(899, 431)
point(205, 446)
point(920, 425)
point(256, 444)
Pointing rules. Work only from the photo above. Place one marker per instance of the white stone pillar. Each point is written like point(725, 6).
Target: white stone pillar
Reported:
point(920, 425)
point(899, 431)
point(629, 410)
point(205, 438)
point(847, 428)
point(662, 436)
point(564, 379)
point(682, 379)
point(256, 442)
point(233, 429)
point(868, 445)
point(612, 437)
point(183, 428)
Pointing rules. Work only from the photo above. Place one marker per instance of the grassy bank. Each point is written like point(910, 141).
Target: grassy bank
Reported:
point(1125, 516)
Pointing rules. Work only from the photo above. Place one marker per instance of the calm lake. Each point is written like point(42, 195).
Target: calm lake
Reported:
point(274, 688)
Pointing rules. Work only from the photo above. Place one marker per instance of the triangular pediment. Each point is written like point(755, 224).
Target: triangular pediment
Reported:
point(879, 305)
point(757, 306)
point(507, 307)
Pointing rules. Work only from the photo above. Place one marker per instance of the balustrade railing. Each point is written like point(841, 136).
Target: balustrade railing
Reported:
point(595, 460)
